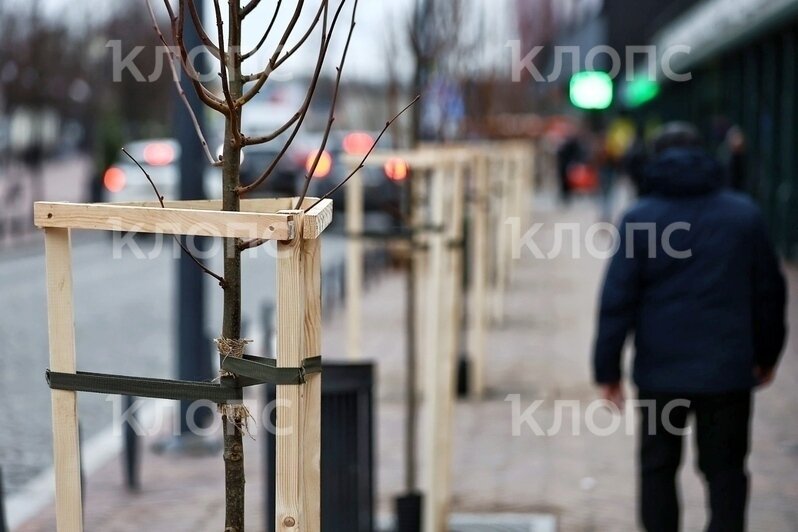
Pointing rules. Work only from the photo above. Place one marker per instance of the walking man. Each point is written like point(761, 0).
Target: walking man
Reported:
point(698, 283)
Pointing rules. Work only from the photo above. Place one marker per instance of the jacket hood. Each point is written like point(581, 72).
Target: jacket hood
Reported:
point(682, 172)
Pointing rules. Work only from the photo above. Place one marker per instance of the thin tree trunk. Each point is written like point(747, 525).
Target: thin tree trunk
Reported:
point(231, 324)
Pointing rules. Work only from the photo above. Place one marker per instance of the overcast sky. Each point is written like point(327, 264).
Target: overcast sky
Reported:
point(381, 28)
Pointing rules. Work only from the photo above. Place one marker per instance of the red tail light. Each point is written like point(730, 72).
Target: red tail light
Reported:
point(114, 179)
point(396, 169)
point(323, 168)
point(159, 154)
point(357, 143)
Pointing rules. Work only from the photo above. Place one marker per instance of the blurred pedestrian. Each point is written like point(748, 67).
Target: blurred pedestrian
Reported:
point(634, 160)
point(705, 300)
point(605, 161)
point(569, 154)
point(733, 156)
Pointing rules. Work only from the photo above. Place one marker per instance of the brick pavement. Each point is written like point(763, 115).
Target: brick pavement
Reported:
point(541, 352)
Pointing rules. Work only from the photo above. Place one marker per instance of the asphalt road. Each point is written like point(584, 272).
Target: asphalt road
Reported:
point(124, 314)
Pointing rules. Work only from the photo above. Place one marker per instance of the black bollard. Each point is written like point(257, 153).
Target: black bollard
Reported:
point(131, 446)
point(408, 512)
point(3, 526)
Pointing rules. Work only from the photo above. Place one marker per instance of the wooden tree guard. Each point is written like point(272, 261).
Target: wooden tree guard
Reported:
point(299, 329)
point(499, 187)
point(354, 265)
point(480, 259)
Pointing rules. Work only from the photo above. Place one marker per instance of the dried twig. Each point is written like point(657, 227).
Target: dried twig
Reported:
point(180, 91)
point(249, 244)
point(331, 119)
point(179, 243)
point(365, 157)
point(268, 28)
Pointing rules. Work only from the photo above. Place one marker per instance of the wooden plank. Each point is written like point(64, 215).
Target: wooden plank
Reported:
point(60, 317)
point(419, 218)
point(317, 219)
point(257, 205)
point(298, 420)
point(502, 236)
point(311, 444)
point(479, 278)
point(354, 267)
point(418, 159)
point(167, 221)
point(450, 334)
point(516, 207)
point(434, 387)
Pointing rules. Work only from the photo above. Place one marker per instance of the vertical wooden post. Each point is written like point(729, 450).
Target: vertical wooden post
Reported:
point(450, 330)
point(354, 266)
point(298, 490)
point(502, 235)
point(433, 387)
point(494, 186)
point(61, 323)
point(518, 200)
point(527, 183)
point(479, 274)
point(420, 257)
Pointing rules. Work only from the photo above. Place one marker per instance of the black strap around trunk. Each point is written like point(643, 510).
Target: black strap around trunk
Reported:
point(249, 371)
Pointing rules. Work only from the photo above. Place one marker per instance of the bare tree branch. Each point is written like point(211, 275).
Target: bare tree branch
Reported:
point(266, 33)
point(247, 9)
point(231, 107)
point(251, 141)
point(177, 34)
point(331, 119)
point(180, 90)
point(325, 43)
point(289, 53)
point(179, 243)
point(271, 65)
point(203, 35)
point(365, 158)
point(204, 94)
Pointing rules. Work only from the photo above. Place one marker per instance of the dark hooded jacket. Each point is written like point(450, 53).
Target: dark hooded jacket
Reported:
point(702, 291)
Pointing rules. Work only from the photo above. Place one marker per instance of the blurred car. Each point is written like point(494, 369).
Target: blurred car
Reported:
point(124, 181)
point(382, 185)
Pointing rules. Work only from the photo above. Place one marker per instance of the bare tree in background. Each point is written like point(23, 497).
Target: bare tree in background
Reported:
point(440, 42)
point(238, 87)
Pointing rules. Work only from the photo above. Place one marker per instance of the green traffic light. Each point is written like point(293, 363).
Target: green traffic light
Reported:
point(640, 91)
point(591, 90)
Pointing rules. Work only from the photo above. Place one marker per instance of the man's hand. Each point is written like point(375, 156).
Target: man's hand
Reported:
point(613, 393)
point(764, 376)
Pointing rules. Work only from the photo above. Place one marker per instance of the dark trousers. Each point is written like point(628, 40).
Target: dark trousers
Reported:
point(721, 430)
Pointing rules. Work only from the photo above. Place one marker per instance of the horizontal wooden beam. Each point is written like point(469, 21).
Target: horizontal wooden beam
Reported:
point(415, 158)
point(259, 218)
point(169, 220)
point(317, 219)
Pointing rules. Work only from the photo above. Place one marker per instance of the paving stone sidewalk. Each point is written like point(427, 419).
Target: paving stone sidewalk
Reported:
point(540, 352)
